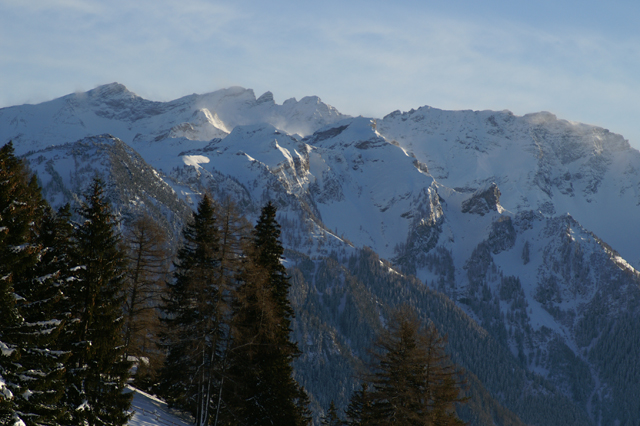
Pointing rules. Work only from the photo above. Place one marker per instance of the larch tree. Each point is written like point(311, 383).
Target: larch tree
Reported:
point(254, 328)
point(97, 371)
point(413, 380)
point(235, 270)
point(147, 271)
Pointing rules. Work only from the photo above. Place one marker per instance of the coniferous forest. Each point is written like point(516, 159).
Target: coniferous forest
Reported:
point(89, 305)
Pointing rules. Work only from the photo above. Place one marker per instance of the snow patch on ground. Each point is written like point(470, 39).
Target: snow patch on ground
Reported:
point(195, 160)
point(150, 411)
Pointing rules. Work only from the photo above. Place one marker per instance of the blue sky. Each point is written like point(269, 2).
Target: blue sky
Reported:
point(577, 59)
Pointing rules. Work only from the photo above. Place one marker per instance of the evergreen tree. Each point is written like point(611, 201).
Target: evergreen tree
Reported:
point(269, 255)
point(414, 382)
point(267, 392)
point(42, 308)
point(55, 265)
point(31, 372)
point(9, 367)
point(332, 418)
point(9, 317)
point(359, 407)
point(196, 312)
point(97, 372)
point(54, 286)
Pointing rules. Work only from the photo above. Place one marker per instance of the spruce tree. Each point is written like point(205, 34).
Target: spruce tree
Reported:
point(97, 372)
point(31, 371)
point(9, 356)
point(263, 352)
point(196, 312)
point(359, 407)
point(55, 235)
point(331, 418)
point(268, 256)
point(41, 306)
point(9, 317)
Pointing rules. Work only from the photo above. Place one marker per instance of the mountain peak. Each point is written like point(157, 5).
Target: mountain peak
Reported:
point(540, 117)
point(266, 97)
point(310, 100)
point(112, 90)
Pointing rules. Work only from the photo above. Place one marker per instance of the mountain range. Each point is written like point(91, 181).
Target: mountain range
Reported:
point(516, 236)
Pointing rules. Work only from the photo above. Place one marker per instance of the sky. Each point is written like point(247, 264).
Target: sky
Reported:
point(577, 59)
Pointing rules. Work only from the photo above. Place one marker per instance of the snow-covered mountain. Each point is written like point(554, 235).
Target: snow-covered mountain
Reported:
point(527, 224)
point(538, 162)
point(114, 109)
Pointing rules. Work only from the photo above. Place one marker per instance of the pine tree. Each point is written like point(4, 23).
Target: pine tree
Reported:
point(263, 352)
point(196, 312)
point(31, 372)
point(97, 372)
point(413, 380)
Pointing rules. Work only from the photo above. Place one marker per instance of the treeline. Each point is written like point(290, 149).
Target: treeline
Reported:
point(82, 306)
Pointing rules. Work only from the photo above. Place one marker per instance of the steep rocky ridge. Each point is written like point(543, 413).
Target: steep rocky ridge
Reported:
point(538, 161)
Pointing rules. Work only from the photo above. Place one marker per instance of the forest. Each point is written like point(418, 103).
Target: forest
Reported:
point(89, 305)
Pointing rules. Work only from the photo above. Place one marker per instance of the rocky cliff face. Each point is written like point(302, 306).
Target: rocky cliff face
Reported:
point(526, 224)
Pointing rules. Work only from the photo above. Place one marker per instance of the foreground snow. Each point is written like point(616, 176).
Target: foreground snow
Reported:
point(148, 410)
